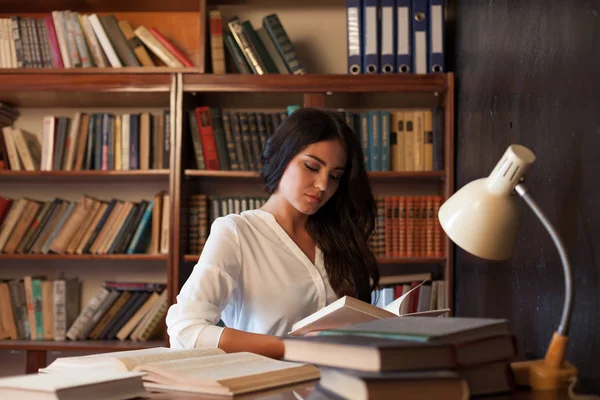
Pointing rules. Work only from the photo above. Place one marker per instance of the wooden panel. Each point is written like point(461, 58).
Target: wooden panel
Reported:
point(79, 176)
point(17, 6)
point(36, 359)
point(528, 74)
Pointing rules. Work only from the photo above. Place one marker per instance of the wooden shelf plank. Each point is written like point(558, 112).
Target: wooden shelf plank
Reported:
point(82, 257)
point(380, 260)
point(373, 175)
point(80, 345)
point(318, 83)
point(16, 6)
point(33, 175)
point(87, 79)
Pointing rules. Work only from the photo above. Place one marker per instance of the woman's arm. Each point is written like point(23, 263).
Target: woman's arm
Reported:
point(233, 340)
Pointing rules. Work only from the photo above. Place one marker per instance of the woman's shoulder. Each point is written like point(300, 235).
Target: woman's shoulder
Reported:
point(251, 220)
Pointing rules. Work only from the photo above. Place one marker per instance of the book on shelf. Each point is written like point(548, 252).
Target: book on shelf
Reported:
point(400, 140)
point(96, 141)
point(68, 39)
point(349, 310)
point(264, 50)
point(100, 385)
point(201, 370)
point(88, 226)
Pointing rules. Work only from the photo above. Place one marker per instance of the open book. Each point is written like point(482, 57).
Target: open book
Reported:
point(203, 370)
point(349, 310)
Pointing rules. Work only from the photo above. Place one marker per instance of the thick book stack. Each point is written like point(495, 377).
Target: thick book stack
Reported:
point(395, 36)
point(42, 309)
point(411, 354)
point(99, 141)
point(399, 140)
point(89, 226)
point(231, 140)
point(266, 50)
point(426, 296)
point(203, 210)
point(68, 39)
point(407, 226)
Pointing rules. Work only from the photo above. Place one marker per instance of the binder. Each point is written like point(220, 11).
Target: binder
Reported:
point(403, 36)
point(370, 37)
point(388, 38)
point(354, 36)
point(419, 30)
point(436, 36)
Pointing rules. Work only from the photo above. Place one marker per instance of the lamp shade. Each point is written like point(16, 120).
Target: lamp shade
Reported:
point(483, 217)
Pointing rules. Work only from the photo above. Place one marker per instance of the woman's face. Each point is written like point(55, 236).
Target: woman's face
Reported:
point(313, 175)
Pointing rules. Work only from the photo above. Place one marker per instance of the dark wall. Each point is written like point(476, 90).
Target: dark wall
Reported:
point(528, 72)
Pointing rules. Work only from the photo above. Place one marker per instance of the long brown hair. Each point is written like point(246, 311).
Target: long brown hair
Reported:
point(343, 226)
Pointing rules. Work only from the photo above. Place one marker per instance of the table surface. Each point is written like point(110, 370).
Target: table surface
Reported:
point(309, 391)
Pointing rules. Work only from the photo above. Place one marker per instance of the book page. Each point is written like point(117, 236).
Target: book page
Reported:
point(127, 360)
point(208, 371)
point(394, 306)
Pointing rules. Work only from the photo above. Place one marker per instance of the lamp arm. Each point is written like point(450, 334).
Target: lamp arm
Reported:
point(563, 328)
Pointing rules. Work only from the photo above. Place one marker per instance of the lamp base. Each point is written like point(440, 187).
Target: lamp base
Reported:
point(538, 375)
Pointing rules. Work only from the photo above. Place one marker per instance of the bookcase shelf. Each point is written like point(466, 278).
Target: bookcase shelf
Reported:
point(417, 175)
point(79, 345)
point(315, 83)
point(83, 257)
point(152, 174)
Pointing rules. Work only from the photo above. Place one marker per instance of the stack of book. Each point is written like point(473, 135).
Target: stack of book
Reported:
point(266, 50)
point(89, 226)
point(67, 39)
point(367, 354)
point(99, 141)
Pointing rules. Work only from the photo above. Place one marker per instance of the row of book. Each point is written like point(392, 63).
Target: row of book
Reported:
point(265, 50)
point(88, 226)
point(395, 36)
point(231, 140)
point(99, 141)
point(408, 226)
point(36, 308)
point(67, 39)
point(203, 210)
point(425, 297)
point(399, 140)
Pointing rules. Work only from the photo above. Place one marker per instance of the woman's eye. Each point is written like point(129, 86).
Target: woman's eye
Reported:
point(335, 178)
point(310, 168)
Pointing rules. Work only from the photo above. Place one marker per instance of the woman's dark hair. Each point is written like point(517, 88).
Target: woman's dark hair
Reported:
point(343, 226)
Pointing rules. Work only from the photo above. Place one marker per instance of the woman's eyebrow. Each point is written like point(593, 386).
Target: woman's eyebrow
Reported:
point(321, 161)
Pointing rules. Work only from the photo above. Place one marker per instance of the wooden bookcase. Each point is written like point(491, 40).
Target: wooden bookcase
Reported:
point(184, 21)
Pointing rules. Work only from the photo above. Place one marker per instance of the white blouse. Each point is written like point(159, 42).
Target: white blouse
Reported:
point(251, 275)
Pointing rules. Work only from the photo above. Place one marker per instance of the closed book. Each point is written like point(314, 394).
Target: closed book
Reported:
point(171, 48)
point(135, 44)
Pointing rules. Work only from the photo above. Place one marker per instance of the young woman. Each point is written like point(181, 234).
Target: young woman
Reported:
point(263, 270)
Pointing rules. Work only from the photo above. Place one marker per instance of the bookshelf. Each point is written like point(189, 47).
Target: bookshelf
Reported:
point(36, 90)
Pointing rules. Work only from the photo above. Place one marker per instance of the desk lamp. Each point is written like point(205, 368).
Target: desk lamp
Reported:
point(483, 219)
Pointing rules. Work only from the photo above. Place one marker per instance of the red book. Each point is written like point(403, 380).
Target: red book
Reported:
point(207, 138)
point(57, 61)
point(169, 46)
point(4, 207)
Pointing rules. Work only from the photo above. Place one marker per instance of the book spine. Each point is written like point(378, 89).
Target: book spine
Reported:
point(237, 55)
point(141, 228)
point(84, 317)
point(171, 48)
point(80, 43)
point(18, 42)
point(109, 50)
point(217, 52)
point(57, 18)
point(208, 139)
point(156, 47)
point(283, 44)
point(243, 42)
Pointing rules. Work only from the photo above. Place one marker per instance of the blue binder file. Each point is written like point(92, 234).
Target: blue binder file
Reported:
point(388, 38)
point(403, 36)
point(354, 36)
point(370, 37)
point(419, 24)
point(436, 36)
